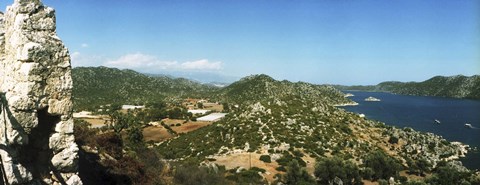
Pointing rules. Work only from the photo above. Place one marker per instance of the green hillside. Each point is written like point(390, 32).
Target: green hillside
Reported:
point(285, 121)
point(96, 86)
point(262, 87)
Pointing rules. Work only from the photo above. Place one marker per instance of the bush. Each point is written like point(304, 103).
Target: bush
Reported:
point(265, 158)
point(110, 143)
point(382, 165)
point(297, 175)
point(327, 169)
point(83, 134)
point(135, 136)
point(281, 169)
point(393, 140)
point(193, 175)
point(250, 176)
point(132, 171)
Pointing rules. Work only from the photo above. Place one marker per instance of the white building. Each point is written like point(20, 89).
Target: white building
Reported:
point(212, 117)
point(127, 107)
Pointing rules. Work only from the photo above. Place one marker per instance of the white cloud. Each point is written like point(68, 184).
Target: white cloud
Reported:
point(150, 63)
point(84, 45)
point(78, 59)
point(203, 64)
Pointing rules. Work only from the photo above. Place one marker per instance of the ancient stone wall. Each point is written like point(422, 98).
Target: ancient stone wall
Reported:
point(36, 125)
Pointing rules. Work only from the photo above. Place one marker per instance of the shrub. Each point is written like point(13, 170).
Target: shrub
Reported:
point(111, 143)
point(393, 140)
point(135, 135)
point(193, 175)
point(265, 158)
point(327, 169)
point(382, 165)
point(250, 176)
point(83, 134)
point(297, 175)
point(281, 169)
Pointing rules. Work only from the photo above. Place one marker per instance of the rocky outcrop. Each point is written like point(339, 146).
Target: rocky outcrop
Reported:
point(36, 125)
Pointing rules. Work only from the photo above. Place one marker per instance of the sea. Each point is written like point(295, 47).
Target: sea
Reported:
point(420, 113)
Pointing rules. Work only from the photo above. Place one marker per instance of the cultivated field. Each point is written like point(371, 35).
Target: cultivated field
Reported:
point(159, 133)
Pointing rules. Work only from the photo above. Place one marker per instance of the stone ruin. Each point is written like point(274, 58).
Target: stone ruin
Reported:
point(36, 126)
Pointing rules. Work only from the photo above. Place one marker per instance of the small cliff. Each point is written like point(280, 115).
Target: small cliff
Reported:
point(36, 125)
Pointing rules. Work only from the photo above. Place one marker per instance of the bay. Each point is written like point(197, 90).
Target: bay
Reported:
point(420, 113)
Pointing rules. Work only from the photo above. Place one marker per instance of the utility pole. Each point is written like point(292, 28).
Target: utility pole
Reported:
point(250, 160)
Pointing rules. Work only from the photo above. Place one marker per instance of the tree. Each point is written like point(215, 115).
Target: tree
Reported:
point(449, 174)
point(265, 158)
point(226, 107)
point(135, 135)
point(176, 113)
point(393, 140)
point(119, 121)
point(297, 175)
point(329, 169)
point(423, 166)
point(382, 165)
point(192, 175)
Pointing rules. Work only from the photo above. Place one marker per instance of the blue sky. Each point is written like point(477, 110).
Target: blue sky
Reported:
point(322, 41)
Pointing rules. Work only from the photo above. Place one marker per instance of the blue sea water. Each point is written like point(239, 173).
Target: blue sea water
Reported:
point(420, 113)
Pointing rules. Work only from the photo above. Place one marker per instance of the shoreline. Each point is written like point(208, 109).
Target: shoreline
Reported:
point(463, 149)
point(346, 104)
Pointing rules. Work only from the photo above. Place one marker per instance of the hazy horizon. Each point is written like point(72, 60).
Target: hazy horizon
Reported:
point(321, 42)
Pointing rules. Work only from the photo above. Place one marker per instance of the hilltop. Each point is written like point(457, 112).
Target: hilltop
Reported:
point(263, 87)
point(453, 86)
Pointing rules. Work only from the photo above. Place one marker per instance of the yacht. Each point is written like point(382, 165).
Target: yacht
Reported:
point(468, 125)
point(437, 121)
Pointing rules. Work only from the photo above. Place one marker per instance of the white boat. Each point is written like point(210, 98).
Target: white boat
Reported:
point(468, 125)
point(437, 121)
point(372, 99)
point(349, 95)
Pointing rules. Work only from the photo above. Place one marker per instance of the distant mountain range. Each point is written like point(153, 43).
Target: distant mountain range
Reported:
point(97, 86)
point(202, 77)
point(453, 86)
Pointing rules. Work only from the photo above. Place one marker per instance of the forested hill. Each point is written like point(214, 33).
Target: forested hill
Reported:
point(95, 86)
point(454, 86)
point(262, 87)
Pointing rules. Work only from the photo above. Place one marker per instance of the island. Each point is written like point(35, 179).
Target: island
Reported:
point(372, 99)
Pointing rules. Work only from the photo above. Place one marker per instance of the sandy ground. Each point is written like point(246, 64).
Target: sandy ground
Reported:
point(310, 163)
point(96, 122)
point(169, 122)
point(190, 126)
point(159, 133)
point(214, 107)
point(243, 160)
point(156, 134)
